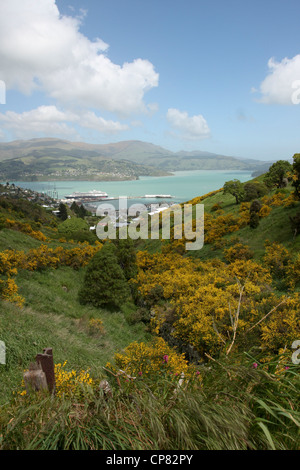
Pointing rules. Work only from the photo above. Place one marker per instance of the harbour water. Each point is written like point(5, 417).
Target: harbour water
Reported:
point(183, 185)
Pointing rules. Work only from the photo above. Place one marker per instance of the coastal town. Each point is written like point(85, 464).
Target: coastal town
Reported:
point(49, 200)
point(16, 192)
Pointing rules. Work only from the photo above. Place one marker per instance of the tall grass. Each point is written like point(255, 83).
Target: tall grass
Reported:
point(234, 408)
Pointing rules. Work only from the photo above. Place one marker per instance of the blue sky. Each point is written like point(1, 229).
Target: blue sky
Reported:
point(218, 76)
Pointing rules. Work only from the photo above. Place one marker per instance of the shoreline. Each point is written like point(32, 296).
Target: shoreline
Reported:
point(184, 185)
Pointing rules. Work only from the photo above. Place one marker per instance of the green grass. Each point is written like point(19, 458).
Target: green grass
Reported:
point(53, 317)
point(275, 227)
point(236, 408)
point(11, 239)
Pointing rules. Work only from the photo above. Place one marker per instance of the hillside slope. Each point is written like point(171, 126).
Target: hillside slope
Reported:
point(60, 159)
point(200, 358)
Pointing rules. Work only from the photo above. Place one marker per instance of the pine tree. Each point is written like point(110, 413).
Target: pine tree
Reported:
point(82, 212)
point(74, 207)
point(104, 283)
point(126, 257)
point(63, 213)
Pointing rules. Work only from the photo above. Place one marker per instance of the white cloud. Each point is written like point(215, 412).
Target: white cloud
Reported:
point(91, 121)
point(189, 127)
point(98, 83)
point(50, 121)
point(280, 85)
point(40, 49)
point(44, 120)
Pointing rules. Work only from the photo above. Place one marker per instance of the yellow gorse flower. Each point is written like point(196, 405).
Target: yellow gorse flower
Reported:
point(70, 383)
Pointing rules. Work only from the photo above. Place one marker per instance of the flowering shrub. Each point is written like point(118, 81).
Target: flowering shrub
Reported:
point(238, 251)
point(264, 211)
point(293, 272)
point(46, 257)
point(290, 201)
point(10, 260)
point(216, 227)
point(25, 228)
point(72, 383)
point(150, 359)
point(204, 295)
point(276, 258)
point(244, 212)
point(69, 383)
point(283, 326)
point(278, 199)
point(216, 207)
point(96, 326)
point(40, 258)
point(9, 292)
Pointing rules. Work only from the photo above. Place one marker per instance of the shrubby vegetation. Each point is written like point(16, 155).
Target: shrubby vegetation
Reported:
point(104, 283)
point(216, 371)
point(77, 229)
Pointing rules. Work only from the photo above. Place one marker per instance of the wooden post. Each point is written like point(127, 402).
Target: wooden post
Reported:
point(46, 362)
point(35, 378)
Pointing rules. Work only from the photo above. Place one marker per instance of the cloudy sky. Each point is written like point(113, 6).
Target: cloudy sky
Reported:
point(221, 76)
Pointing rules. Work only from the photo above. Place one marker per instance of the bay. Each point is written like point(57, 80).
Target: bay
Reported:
point(183, 185)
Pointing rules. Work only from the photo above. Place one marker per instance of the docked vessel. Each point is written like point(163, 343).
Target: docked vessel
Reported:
point(94, 195)
point(153, 196)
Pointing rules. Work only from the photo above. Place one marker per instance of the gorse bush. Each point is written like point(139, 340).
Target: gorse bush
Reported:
point(238, 251)
point(9, 292)
point(25, 228)
point(157, 357)
point(213, 368)
point(38, 259)
point(70, 383)
point(218, 304)
point(276, 258)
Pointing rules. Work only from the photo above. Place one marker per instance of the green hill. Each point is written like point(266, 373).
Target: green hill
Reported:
point(199, 359)
point(55, 166)
point(51, 314)
point(55, 159)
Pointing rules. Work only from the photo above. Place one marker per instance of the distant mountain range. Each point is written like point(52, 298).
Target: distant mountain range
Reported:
point(56, 159)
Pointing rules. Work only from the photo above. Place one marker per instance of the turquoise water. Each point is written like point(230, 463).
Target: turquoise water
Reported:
point(183, 185)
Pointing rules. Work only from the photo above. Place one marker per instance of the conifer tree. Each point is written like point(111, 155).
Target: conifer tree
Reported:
point(63, 213)
point(104, 283)
point(126, 257)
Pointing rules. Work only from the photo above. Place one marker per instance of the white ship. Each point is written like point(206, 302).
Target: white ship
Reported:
point(88, 196)
point(154, 196)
